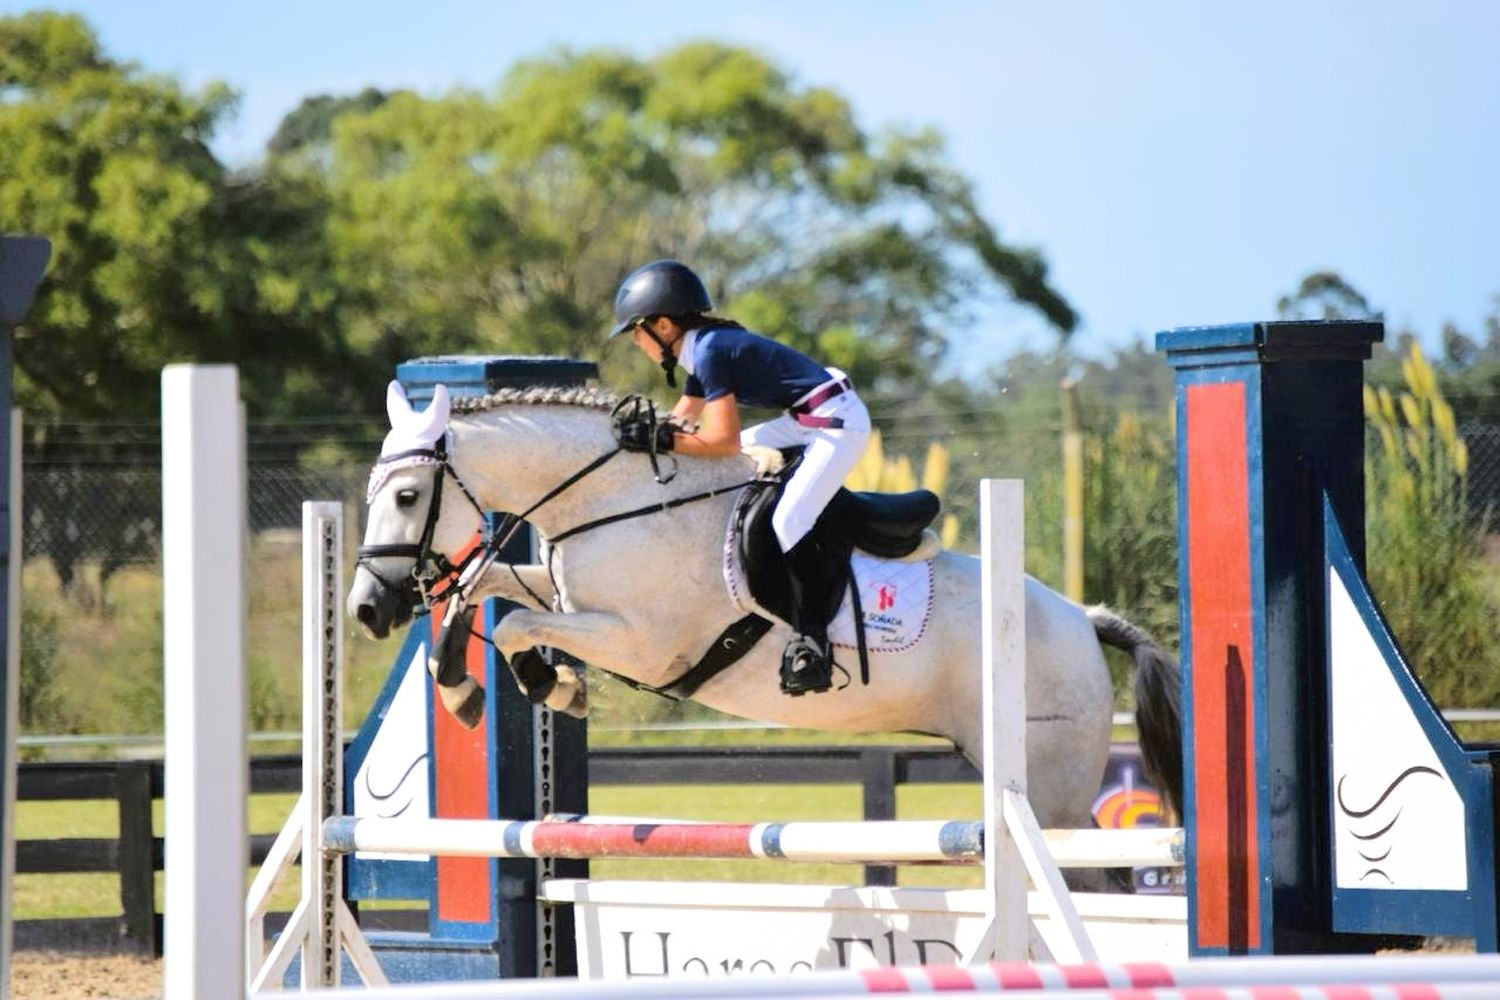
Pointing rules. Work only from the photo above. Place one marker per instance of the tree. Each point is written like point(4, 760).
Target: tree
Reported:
point(1325, 295)
point(506, 222)
point(307, 129)
point(112, 165)
point(159, 254)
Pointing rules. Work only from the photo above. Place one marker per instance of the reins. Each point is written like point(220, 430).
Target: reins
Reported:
point(437, 580)
point(456, 580)
point(653, 508)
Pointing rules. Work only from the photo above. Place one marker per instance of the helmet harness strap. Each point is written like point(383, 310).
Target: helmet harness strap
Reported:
point(668, 357)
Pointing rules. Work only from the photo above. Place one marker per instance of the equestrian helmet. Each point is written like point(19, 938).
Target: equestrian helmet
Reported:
point(660, 288)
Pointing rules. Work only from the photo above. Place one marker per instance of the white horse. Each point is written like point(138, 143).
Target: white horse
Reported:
point(644, 597)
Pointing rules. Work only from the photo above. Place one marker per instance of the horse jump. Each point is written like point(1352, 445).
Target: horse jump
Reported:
point(317, 829)
point(535, 760)
point(1275, 401)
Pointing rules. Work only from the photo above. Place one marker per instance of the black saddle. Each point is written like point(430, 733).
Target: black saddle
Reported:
point(888, 525)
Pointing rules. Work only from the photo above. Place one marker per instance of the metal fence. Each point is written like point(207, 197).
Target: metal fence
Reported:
point(92, 536)
point(1484, 471)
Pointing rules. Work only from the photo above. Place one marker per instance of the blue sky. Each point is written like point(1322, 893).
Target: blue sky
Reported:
point(1177, 163)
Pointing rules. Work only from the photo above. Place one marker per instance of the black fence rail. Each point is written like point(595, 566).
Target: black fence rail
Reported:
point(137, 853)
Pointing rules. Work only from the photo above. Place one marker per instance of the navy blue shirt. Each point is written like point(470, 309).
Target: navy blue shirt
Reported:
point(757, 370)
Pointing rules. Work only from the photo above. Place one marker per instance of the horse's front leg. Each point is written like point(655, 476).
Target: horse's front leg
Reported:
point(591, 636)
point(529, 585)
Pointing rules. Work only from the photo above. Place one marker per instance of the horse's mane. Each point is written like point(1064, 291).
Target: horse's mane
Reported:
point(586, 397)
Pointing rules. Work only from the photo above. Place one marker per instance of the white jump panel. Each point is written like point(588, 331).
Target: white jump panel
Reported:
point(1398, 820)
point(629, 929)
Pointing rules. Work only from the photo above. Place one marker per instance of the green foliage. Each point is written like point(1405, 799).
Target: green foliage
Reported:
point(307, 129)
point(383, 225)
point(506, 222)
point(1426, 554)
point(41, 699)
point(112, 165)
point(1325, 295)
point(159, 254)
point(1468, 370)
point(1130, 513)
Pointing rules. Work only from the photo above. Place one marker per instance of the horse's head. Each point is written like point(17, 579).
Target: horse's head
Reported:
point(420, 516)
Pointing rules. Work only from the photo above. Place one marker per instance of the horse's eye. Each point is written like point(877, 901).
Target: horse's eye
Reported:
point(406, 498)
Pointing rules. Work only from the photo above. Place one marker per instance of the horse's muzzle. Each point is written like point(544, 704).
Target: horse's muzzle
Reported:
point(378, 608)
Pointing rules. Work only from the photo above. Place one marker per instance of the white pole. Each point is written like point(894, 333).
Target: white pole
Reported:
point(1003, 695)
point(323, 748)
point(203, 621)
point(1446, 977)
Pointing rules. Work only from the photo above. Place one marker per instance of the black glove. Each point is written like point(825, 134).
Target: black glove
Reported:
point(641, 435)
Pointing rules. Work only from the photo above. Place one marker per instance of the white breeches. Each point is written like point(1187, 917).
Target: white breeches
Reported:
point(830, 456)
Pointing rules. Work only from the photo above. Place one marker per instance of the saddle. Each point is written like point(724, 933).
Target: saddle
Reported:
point(887, 525)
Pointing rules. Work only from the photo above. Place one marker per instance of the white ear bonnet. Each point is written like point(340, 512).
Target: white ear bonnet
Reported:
point(411, 431)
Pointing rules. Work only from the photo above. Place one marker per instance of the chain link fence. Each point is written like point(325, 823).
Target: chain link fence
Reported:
point(91, 587)
point(1484, 473)
point(91, 578)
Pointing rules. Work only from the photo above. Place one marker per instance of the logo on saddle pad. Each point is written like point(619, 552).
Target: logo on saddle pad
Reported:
point(895, 598)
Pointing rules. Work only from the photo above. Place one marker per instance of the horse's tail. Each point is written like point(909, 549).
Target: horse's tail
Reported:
point(1158, 701)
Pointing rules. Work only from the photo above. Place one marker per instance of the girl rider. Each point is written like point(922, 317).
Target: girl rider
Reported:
point(665, 309)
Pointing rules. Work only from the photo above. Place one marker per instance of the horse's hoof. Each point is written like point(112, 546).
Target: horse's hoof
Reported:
point(578, 708)
point(570, 696)
point(569, 702)
point(465, 702)
point(536, 678)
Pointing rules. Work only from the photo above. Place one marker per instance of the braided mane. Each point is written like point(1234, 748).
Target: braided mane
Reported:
point(585, 397)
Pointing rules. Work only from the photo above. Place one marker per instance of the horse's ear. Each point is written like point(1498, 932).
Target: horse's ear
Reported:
point(434, 420)
point(397, 409)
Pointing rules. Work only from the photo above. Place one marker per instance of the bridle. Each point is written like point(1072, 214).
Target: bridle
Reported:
point(429, 568)
point(435, 579)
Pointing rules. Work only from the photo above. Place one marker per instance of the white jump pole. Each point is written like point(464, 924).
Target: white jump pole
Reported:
point(203, 622)
point(330, 925)
point(321, 928)
point(1447, 977)
point(1015, 847)
point(1003, 696)
point(322, 746)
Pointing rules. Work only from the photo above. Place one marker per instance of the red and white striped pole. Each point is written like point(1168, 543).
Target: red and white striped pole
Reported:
point(1446, 977)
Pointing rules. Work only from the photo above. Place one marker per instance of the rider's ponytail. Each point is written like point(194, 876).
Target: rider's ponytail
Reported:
point(703, 321)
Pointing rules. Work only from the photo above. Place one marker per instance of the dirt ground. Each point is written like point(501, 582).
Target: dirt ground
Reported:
point(43, 975)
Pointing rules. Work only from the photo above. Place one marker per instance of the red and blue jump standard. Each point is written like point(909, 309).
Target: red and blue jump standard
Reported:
point(1287, 663)
point(1266, 413)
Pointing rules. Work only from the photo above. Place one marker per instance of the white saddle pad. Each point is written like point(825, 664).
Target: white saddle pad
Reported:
point(896, 598)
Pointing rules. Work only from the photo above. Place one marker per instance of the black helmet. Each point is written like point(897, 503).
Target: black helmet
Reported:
point(661, 288)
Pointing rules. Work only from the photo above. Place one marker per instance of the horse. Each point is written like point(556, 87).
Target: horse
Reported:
point(643, 596)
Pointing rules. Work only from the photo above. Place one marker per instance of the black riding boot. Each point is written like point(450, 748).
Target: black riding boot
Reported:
point(807, 662)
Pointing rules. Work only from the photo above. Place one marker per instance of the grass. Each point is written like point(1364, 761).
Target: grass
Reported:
point(91, 653)
point(98, 895)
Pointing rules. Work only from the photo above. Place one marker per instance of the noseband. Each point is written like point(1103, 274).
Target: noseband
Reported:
point(429, 568)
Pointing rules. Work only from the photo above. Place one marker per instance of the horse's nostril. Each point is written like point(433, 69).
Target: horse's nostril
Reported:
point(365, 614)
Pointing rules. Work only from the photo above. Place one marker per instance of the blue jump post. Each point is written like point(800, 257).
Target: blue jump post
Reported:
point(522, 761)
point(1328, 803)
